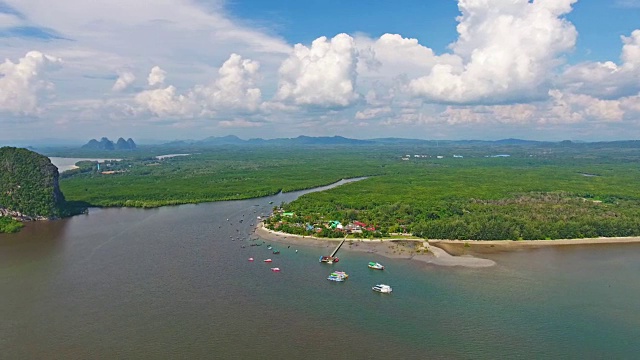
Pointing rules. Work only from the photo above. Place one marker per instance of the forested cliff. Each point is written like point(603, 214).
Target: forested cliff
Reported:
point(29, 185)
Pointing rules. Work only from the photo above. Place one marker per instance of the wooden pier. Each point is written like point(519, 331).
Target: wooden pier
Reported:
point(335, 251)
point(332, 258)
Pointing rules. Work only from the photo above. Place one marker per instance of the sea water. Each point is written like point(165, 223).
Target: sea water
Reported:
point(175, 282)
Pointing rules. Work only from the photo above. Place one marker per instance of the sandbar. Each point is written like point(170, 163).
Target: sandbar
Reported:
point(464, 247)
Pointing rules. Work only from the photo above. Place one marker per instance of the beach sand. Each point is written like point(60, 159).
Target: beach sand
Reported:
point(479, 247)
point(390, 248)
point(438, 252)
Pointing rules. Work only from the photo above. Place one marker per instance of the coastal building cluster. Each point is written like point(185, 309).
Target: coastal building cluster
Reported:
point(424, 156)
point(289, 222)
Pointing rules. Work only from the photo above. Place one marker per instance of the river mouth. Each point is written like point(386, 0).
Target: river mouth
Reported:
point(145, 283)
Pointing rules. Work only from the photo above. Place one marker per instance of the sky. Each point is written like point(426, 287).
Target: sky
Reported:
point(442, 69)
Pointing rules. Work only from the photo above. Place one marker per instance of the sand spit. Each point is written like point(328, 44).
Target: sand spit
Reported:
point(390, 248)
point(467, 247)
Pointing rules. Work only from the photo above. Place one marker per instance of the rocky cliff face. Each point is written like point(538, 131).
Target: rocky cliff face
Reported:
point(29, 187)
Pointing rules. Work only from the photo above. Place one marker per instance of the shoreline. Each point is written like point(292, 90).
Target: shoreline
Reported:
point(439, 252)
point(408, 249)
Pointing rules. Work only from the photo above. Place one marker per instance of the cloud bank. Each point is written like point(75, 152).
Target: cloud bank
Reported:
point(181, 64)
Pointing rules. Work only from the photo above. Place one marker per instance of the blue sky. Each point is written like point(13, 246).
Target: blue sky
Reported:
point(444, 69)
point(431, 22)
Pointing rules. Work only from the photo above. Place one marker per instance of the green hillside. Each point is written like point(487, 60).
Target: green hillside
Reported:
point(28, 187)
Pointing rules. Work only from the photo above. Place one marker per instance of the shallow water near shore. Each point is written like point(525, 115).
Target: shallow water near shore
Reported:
point(174, 282)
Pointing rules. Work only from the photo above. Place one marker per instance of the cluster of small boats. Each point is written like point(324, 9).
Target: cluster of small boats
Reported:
point(381, 288)
point(341, 276)
point(337, 276)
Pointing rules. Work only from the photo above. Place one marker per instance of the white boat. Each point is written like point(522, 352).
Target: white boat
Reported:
point(375, 265)
point(335, 278)
point(382, 288)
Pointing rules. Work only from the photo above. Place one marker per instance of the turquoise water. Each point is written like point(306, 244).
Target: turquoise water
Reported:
point(175, 282)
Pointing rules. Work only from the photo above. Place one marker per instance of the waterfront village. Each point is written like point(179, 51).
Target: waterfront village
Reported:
point(291, 223)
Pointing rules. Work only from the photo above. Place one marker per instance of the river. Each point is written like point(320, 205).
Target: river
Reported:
point(64, 163)
point(174, 282)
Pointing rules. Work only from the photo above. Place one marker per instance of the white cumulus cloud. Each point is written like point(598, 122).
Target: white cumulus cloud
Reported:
point(125, 78)
point(156, 76)
point(392, 55)
point(236, 86)
point(321, 75)
point(509, 48)
point(166, 102)
point(234, 89)
point(571, 107)
point(21, 83)
point(608, 79)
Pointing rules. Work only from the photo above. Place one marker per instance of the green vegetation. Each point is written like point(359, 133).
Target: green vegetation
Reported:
point(213, 175)
point(29, 183)
point(541, 191)
point(29, 189)
point(489, 198)
point(8, 225)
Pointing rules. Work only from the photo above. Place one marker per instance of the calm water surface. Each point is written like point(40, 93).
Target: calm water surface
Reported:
point(174, 282)
point(64, 163)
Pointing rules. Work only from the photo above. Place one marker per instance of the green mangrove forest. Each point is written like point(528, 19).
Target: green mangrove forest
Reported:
point(438, 191)
point(8, 225)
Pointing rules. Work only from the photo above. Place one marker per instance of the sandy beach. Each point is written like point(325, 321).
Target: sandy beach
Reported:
point(417, 250)
point(438, 252)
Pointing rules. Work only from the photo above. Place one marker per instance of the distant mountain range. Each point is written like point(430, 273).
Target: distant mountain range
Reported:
point(106, 144)
point(300, 140)
point(232, 140)
point(341, 141)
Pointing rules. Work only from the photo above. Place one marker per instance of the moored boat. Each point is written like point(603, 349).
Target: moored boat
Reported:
point(268, 260)
point(275, 269)
point(250, 259)
point(382, 288)
point(375, 265)
point(328, 259)
point(340, 273)
point(334, 277)
point(276, 251)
